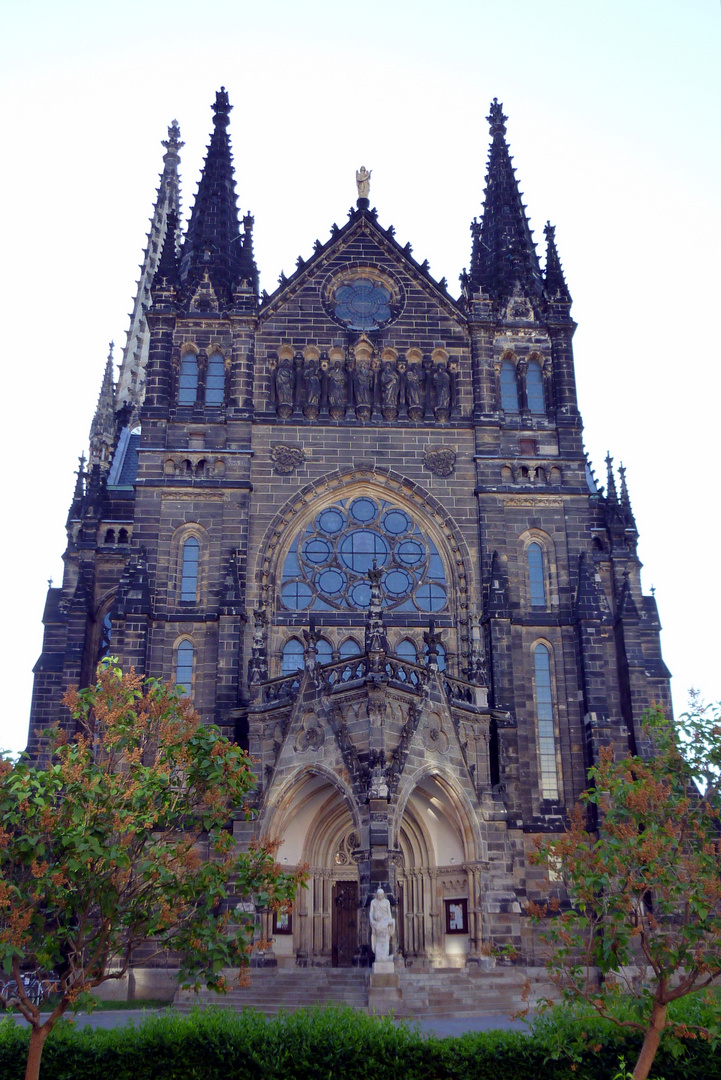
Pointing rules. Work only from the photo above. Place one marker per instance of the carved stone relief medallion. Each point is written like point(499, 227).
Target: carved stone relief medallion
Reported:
point(441, 461)
point(286, 458)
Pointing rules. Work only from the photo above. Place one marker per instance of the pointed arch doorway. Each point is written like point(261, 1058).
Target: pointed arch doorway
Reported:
point(315, 828)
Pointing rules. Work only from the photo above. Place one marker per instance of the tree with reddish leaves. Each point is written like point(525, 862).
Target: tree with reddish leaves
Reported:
point(640, 864)
point(119, 838)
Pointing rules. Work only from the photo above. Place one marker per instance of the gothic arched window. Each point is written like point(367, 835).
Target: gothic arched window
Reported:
point(407, 651)
point(509, 387)
point(188, 381)
point(545, 723)
point(536, 576)
point(534, 388)
point(350, 647)
point(327, 566)
point(184, 663)
point(324, 651)
point(293, 657)
point(189, 571)
point(215, 380)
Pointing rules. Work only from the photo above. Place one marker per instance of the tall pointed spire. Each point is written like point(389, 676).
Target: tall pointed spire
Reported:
point(556, 288)
point(102, 429)
point(213, 248)
point(131, 380)
point(503, 254)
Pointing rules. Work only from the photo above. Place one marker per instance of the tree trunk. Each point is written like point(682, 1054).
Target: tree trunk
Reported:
point(38, 1035)
point(650, 1042)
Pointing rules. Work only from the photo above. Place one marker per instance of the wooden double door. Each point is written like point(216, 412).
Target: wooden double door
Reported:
point(345, 923)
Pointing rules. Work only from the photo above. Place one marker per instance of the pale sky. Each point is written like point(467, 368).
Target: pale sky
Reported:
point(613, 123)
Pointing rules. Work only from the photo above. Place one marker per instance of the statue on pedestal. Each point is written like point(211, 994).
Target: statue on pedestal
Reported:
point(383, 926)
point(363, 180)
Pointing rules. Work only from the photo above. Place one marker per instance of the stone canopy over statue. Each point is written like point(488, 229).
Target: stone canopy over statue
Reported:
point(383, 926)
point(363, 180)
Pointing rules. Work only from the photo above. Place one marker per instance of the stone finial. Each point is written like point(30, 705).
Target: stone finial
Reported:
point(496, 118)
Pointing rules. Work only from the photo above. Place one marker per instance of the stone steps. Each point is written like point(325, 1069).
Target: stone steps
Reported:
point(274, 990)
point(460, 992)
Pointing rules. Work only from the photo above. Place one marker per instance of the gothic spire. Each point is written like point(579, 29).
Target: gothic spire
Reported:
point(213, 249)
point(131, 380)
point(102, 429)
point(556, 288)
point(503, 254)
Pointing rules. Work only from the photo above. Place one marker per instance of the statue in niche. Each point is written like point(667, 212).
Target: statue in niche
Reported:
point(383, 925)
point(311, 377)
point(362, 388)
point(363, 180)
point(442, 385)
point(336, 390)
point(284, 387)
point(414, 391)
point(390, 382)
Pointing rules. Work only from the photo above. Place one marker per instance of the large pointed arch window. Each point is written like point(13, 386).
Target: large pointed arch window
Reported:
point(545, 723)
point(188, 381)
point(327, 566)
point(215, 380)
point(509, 387)
point(534, 388)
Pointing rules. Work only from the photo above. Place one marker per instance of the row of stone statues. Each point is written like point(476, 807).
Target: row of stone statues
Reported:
point(362, 384)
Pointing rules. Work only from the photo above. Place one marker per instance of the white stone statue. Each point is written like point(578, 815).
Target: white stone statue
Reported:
point(383, 925)
point(363, 180)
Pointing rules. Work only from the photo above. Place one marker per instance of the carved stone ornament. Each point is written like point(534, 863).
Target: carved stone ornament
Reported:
point(286, 458)
point(434, 737)
point(441, 461)
point(311, 735)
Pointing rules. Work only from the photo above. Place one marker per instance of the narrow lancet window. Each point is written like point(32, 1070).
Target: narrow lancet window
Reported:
point(188, 382)
point(534, 388)
point(215, 380)
point(407, 651)
point(189, 572)
point(536, 579)
point(509, 387)
point(545, 722)
point(184, 659)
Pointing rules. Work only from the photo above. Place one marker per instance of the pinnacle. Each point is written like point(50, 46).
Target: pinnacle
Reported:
point(556, 288)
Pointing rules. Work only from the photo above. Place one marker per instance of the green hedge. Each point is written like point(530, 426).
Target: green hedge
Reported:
point(328, 1044)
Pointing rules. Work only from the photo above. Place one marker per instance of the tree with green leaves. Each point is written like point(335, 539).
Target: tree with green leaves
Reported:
point(120, 838)
point(641, 869)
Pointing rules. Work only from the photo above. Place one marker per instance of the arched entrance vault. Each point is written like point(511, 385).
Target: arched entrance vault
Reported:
point(438, 881)
point(313, 821)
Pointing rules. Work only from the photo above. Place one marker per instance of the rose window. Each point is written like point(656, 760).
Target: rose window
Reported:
point(362, 304)
point(327, 566)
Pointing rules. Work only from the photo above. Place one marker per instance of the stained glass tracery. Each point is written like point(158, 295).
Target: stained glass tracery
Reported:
point(327, 566)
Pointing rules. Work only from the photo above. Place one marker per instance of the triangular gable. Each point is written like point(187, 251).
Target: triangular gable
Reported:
point(401, 258)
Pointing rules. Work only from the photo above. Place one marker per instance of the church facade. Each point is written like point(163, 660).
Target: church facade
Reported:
point(354, 519)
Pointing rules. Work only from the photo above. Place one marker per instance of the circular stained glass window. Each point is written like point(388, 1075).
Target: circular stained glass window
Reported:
point(331, 582)
point(397, 522)
point(327, 566)
point(363, 510)
point(360, 594)
point(297, 595)
point(331, 521)
point(362, 304)
point(361, 548)
point(397, 583)
point(317, 550)
point(431, 597)
point(410, 553)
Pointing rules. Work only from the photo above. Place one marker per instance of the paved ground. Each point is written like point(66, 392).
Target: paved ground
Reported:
point(441, 1026)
